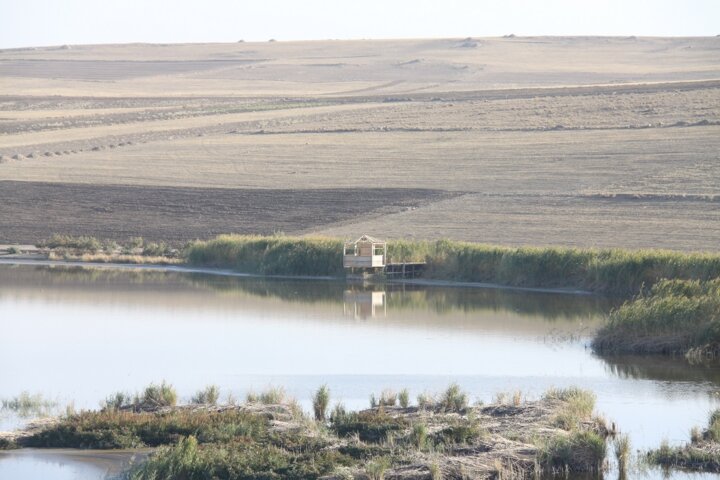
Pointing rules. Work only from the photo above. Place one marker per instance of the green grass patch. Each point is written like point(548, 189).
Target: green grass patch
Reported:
point(370, 425)
point(578, 406)
point(688, 457)
point(577, 452)
point(125, 429)
point(189, 460)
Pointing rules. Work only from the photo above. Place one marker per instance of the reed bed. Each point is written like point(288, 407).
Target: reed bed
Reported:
point(609, 271)
point(672, 317)
point(702, 454)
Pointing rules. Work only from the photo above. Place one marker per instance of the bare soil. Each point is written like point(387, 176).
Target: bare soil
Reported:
point(581, 141)
point(33, 210)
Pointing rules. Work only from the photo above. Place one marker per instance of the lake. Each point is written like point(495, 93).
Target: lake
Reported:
point(77, 335)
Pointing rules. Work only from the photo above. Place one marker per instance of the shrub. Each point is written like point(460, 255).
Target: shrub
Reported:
point(207, 396)
point(376, 469)
point(622, 452)
point(369, 426)
point(426, 401)
point(454, 399)
point(269, 396)
point(321, 399)
point(85, 243)
point(117, 401)
point(578, 406)
point(580, 451)
point(459, 433)
point(404, 398)
point(156, 396)
point(419, 436)
point(388, 398)
point(161, 249)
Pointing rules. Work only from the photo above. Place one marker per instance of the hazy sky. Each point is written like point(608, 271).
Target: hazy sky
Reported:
point(55, 22)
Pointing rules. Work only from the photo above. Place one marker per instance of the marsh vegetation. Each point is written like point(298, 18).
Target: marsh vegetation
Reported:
point(680, 317)
point(270, 437)
point(702, 453)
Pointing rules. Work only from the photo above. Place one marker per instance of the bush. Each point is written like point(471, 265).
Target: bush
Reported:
point(580, 451)
point(369, 426)
point(270, 396)
point(459, 433)
point(388, 398)
point(419, 436)
point(404, 398)
point(578, 406)
point(156, 396)
point(208, 396)
point(84, 243)
point(118, 401)
point(321, 399)
point(454, 399)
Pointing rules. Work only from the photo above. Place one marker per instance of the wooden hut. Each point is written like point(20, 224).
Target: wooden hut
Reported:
point(365, 253)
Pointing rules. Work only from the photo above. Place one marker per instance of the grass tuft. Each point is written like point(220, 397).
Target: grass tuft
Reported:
point(622, 453)
point(269, 396)
point(321, 400)
point(404, 398)
point(578, 406)
point(207, 396)
point(454, 399)
point(576, 452)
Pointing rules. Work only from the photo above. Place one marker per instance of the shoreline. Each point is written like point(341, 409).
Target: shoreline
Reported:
point(232, 273)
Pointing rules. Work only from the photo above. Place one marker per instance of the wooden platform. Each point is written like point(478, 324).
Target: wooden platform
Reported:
point(404, 270)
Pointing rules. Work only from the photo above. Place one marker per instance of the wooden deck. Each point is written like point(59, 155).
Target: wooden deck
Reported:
point(404, 270)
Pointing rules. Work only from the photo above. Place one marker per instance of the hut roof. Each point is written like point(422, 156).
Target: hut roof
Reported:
point(369, 239)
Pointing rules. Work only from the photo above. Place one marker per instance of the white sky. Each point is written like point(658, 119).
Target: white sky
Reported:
point(56, 22)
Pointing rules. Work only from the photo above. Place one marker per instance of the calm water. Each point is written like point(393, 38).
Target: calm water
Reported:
point(78, 335)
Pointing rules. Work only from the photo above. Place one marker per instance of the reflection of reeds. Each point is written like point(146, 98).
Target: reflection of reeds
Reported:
point(28, 405)
point(622, 453)
point(442, 300)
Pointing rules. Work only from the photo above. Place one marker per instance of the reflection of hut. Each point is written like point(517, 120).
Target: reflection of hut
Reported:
point(364, 305)
point(365, 252)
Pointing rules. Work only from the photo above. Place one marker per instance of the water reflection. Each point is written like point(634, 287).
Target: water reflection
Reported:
point(106, 284)
point(661, 368)
point(363, 304)
point(80, 334)
point(66, 464)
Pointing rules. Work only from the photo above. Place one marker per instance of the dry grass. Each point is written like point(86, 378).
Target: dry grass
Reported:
point(114, 258)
